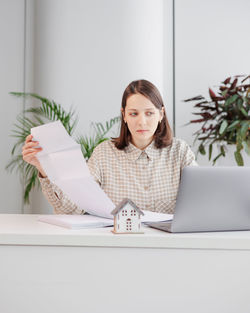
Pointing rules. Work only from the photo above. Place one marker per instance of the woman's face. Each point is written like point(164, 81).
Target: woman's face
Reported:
point(142, 118)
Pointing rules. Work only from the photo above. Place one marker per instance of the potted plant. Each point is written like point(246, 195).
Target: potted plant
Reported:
point(225, 118)
point(47, 111)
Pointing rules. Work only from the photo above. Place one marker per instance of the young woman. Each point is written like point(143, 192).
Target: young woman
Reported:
point(143, 164)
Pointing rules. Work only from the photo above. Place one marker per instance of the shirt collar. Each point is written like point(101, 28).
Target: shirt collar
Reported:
point(134, 153)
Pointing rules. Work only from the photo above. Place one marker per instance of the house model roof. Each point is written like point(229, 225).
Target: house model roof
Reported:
point(123, 203)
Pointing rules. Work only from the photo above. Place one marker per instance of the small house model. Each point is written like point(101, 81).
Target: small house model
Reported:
point(127, 218)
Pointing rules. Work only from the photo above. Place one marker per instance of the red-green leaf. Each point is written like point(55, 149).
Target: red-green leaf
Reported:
point(244, 112)
point(245, 78)
point(238, 158)
point(200, 103)
point(246, 145)
point(222, 150)
point(210, 151)
point(224, 92)
point(244, 129)
point(231, 100)
point(212, 94)
point(194, 98)
point(227, 81)
point(234, 84)
point(198, 121)
point(223, 127)
point(202, 149)
point(233, 125)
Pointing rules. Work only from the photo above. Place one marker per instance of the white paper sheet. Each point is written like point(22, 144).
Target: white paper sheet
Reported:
point(76, 221)
point(63, 162)
point(90, 221)
point(150, 216)
point(88, 195)
point(53, 137)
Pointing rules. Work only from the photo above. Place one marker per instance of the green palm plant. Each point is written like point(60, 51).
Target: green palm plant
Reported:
point(49, 111)
point(99, 133)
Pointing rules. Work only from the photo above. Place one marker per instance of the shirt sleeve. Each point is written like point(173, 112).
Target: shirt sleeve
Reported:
point(94, 166)
point(187, 156)
point(59, 201)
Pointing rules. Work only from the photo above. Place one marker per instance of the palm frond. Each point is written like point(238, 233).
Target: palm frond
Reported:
point(49, 110)
point(88, 144)
point(16, 163)
point(99, 134)
point(22, 130)
point(30, 182)
point(103, 130)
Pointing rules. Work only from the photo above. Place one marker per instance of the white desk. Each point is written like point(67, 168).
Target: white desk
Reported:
point(45, 268)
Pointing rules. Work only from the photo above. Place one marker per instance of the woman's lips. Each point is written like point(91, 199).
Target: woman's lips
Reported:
point(141, 130)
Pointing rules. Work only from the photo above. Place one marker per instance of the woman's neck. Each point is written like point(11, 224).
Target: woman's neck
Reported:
point(141, 144)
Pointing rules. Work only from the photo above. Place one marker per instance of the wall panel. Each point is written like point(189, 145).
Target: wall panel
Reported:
point(11, 79)
point(211, 44)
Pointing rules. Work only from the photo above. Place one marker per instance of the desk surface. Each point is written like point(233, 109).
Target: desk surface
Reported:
point(25, 229)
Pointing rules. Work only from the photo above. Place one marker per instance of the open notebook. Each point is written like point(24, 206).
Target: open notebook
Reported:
point(91, 221)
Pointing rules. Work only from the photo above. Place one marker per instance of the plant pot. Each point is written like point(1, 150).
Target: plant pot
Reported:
point(229, 159)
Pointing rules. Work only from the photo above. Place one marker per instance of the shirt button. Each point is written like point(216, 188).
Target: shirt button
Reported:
point(146, 187)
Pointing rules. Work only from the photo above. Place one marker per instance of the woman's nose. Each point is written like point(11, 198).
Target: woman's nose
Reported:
point(141, 120)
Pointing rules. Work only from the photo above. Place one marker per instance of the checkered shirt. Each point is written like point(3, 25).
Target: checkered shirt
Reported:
point(150, 177)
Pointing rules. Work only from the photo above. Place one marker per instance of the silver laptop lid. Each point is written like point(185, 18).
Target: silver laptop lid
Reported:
point(213, 199)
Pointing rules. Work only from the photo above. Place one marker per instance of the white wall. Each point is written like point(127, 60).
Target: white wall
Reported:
point(81, 53)
point(167, 39)
point(84, 53)
point(11, 79)
point(87, 52)
point(211, 44)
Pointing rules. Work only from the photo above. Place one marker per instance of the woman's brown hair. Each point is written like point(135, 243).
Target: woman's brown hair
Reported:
point(163, 134)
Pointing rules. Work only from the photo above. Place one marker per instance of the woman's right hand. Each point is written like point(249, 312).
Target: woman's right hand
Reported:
point(29, 153)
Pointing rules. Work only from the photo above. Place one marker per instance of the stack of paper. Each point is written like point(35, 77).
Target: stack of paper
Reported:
point(90, 221)
point(76, 221)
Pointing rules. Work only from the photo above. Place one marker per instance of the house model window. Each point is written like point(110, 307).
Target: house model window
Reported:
point(127, 218)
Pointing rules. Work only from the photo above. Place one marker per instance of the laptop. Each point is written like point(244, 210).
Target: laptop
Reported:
point(211, 199)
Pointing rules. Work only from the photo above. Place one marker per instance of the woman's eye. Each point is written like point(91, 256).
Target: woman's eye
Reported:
point(147, 114)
